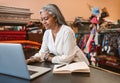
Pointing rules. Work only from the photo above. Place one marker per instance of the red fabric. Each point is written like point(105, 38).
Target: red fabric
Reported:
point(92, 48)
point(18, 37)
point(12, 35)
point(12, 32)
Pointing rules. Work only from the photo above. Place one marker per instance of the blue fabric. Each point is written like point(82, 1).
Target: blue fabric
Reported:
point(95, 11)
point(76, 35)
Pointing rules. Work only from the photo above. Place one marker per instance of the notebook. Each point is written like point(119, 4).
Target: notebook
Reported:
point(12, 62)
point(79, 67)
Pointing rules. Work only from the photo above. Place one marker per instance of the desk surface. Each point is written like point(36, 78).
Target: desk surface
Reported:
point(95, 76)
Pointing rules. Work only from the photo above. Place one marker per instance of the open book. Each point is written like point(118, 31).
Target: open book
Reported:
point(73, 67)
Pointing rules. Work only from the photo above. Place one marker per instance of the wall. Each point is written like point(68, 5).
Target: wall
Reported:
point(69, 8)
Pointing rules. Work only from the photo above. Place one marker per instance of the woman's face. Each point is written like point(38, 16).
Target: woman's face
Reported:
point(47, 20)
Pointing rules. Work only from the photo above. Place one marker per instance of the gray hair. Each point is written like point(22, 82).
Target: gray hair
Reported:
point(55, 12)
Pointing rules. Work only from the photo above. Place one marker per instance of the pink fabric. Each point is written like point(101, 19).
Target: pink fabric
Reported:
point(94, 20)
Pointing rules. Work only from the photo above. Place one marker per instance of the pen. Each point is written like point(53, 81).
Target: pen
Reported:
point(61, 66)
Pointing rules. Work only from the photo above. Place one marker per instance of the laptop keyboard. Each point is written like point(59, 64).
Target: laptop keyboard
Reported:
point(32, 72)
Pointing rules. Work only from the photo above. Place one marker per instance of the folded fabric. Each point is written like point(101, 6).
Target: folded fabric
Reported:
point(94, 20)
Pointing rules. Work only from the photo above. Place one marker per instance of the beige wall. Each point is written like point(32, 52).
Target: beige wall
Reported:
point(69, 8)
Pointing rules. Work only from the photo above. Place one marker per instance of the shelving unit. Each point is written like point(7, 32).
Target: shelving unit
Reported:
point(12, 23)
point(11, 19)
point(105, 61)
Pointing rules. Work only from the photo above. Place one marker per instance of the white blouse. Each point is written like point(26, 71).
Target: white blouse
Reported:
point(64, 47)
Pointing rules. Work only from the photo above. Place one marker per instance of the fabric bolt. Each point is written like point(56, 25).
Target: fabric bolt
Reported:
point(94, 20)
point(95, 10)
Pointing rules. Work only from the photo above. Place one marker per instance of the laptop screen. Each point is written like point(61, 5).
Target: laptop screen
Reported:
point(12, 60)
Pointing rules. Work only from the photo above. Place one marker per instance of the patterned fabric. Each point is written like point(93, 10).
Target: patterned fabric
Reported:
point(83, 41)
point(118, 42)
point(110, 43)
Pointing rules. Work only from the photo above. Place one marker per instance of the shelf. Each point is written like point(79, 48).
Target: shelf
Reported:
point(14, 16)
point(101, 31)
point(110, 30)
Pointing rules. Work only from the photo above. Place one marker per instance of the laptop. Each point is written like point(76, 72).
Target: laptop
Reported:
point(12, 62)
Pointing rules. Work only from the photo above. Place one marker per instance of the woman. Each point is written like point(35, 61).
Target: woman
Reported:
point(59, 43)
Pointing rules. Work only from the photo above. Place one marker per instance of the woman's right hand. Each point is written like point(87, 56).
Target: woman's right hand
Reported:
point(32, 60)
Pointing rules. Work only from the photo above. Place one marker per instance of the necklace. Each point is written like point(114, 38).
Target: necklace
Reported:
point(54, 32)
